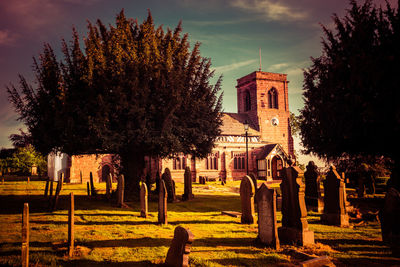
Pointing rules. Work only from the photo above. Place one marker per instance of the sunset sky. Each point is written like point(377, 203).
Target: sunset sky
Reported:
point(231, 33)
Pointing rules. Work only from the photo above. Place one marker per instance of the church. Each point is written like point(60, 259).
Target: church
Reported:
point(256, 140)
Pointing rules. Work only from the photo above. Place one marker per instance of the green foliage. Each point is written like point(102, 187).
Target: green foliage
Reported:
point(295, 122)
point(133, 89)
point(22, 161)
point(351, 90)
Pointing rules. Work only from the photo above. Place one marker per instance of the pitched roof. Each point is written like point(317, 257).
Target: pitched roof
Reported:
point(232, 124)
point(267, 149)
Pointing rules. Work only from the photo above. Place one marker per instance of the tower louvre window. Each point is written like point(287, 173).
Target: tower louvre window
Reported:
point(247, 101)
point(272, 98)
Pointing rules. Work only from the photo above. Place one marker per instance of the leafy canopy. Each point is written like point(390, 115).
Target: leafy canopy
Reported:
point(351, 90)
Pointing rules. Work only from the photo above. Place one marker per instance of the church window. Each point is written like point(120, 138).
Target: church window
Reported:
point(247, 101)
point(273, 98)
point(179, 162)
point(212, 161)
point(239, 160)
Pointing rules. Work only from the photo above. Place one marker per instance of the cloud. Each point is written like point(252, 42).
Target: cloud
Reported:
point(271, 10)
point(278, 66)
point(233, 66)
point(7, 37)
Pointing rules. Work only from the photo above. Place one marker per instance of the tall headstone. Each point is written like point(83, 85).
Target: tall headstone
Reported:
point(294, 212)
point(71, 225)
point(169, 184)
point(162, 203)
point(25, 236)
point(314, 200)
point(247, 200)
point(178, 252)
point(267, 225)
point(108, 186)
point(334, 199)
point(92, 189)
point(121, 189)
point(187, 195)
point(143, 200)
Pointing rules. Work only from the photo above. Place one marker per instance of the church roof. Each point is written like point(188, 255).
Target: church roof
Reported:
point(232, 124)
point(267, 149)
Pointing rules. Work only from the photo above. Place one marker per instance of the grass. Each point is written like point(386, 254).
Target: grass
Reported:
point(107, 235)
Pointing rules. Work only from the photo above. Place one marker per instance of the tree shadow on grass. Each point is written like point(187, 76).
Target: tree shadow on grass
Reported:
point(105, 263)
point(335, 242)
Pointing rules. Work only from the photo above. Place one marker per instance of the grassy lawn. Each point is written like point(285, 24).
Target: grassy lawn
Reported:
point(107, 235)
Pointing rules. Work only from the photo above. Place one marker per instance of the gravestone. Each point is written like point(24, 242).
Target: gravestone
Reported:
point(121, 189)
point(314, 200)
point(108, 186)
point(71, 225)
point(267, 225)
point(169, 184)
point(294, 213)
point(58, 191)
point(247, 200)
point(158, 178)
point(178, 252)
point(162, 203)
point(92, 189)
point(25, 236)
point(143, 200)
point(187, 195)
point(254, 179)
point(334, 200)
point(389, 216)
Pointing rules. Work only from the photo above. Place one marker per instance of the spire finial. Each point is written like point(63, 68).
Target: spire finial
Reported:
point(260, 59)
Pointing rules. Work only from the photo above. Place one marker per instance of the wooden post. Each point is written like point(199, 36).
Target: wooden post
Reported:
point(46, 189)
point(108, 186)
point(121, 189)
point(71, 219)
point(58, 190)
point(80, 173)
point(92, 190)
point(28, 180)
point(88, 188)
point(25, 236)
point(51, 187)
point(2, 180)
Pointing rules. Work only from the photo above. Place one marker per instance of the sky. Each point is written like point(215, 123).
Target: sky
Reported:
point(231, 32)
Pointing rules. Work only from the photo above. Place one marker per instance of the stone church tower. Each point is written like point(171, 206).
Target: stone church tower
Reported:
point(263, 96)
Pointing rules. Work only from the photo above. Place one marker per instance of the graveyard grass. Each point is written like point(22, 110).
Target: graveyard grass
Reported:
point(107, 235)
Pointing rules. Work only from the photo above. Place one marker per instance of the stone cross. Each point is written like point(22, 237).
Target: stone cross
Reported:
point(121, 189)
point(143, 200)
point(25, 236)
point(162, 203)
point(178, 252)
point(58, 190)
point(294, 213)
point(71, 225)
point(335, 199)
point(92, 189)
point(108, 186)
point(247, 200)
point(187, 195)
point(313, 194)
point(267, 225)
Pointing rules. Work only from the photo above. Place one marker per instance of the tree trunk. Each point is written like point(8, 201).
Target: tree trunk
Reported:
point(132, 167)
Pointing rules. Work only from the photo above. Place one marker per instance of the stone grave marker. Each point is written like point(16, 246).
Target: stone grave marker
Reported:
point(92, 189)
point(162, 203)
point(187, 195)
point(267, 225)
point(25, 236)
point(178, 252)
point(334, 199)
point(121, 189)
point(389, 216)
point(247, 200)
point(143, 200)
point(71, 225)
point(313, 194)
point(294, 212)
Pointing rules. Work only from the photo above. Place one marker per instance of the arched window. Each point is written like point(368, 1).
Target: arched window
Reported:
point(273, 98)
point(247, 101)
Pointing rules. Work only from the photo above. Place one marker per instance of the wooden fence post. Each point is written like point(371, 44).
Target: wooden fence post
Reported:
point(71, 219)
point(25, 236)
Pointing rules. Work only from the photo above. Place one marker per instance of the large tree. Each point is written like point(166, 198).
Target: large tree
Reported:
point(351, 91)
point(134, 90)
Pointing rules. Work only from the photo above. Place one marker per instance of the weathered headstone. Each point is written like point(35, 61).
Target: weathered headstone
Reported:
point(46, 189)
point(389, 216)
point(25, 236)
point(158, 178)
point(71, 225)
point(108, 186)
point(162, 203)
point(169, 184)
point(334, 200)
point(92, 189)
point(254, 179)
point(58, 191)
point(178, 252)
point(294, 213)
point(187, 195)
point(121, 189)
point(143, 200)
point(313, 194)
point(267, 225)
point(247, 200)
